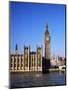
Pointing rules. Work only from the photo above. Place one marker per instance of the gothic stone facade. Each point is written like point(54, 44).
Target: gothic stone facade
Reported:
point(29, 61)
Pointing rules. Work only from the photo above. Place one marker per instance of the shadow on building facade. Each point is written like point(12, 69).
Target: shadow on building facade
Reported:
point(45, 65)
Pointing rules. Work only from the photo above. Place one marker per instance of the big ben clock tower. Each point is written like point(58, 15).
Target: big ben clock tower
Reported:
point(47, 44)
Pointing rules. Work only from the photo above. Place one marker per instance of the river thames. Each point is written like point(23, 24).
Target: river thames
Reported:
point(24, 80)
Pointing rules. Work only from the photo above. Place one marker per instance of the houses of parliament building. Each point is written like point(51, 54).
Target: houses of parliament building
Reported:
point(30, 61)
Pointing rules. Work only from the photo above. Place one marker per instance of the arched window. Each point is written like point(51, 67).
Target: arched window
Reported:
point(26, 60)
point(18, 63)
point(39, 60)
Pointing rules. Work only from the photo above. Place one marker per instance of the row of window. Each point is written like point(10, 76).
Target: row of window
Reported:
point(25, 63)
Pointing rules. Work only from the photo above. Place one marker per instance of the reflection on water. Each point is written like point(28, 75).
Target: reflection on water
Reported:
point(37, 79)
point(38, 75)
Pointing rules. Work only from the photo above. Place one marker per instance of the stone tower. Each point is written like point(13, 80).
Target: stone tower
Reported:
point(47, 44)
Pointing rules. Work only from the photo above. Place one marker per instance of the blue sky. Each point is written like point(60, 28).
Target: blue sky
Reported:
point(28, 22)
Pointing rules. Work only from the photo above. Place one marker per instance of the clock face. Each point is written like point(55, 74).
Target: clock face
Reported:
point(47, 38)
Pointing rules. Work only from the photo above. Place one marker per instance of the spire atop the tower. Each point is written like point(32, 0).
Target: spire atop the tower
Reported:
point(46, 29)
point(16, 47)
point(46, 26)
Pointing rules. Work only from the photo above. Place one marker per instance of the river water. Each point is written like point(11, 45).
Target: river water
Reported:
point(22, 80)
